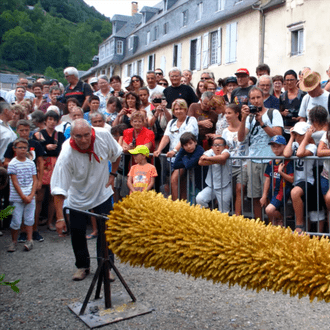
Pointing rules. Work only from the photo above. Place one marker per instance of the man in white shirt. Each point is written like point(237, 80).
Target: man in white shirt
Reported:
point(10, 96)
point(82, 176)
point(311, 83)
point(152, 84)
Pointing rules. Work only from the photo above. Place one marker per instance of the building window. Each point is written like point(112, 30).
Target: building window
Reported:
point(184, 18)
point(119, 47)
point(177, 55)
point(166, 28)
point(130, 43)
point(297, 39)
point(195, 54)
point(151, 62)
point(155, 32)
point(102, 52)
point(199, 11)
point(112, 47)
point(214, 44)
point(221, 5)
point(140, 68)
point(148, 37)
point(231, 42)
point(107, 49)
point(129, 70)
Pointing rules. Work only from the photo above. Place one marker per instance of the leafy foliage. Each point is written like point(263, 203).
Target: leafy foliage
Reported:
point(11, 284)
point(48, 35)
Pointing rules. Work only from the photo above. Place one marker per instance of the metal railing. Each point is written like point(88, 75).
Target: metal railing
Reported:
point(189, 189)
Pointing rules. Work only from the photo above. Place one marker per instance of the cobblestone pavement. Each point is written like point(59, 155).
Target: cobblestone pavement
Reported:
point(179, 302)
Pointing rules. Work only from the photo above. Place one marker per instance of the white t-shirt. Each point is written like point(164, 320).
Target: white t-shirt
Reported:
point(236, 148)
point(81, 180)
point(309, 102)
point(259, 139)
point(299, 165)
point(326, 163)
point(174, 133)
point(158, 89)
point(7, 135)
point(221, 174)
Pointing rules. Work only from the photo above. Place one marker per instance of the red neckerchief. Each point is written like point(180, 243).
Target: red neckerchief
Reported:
point(90, 149)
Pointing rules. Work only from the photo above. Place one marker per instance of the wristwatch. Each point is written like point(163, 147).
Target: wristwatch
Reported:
point(264, 125)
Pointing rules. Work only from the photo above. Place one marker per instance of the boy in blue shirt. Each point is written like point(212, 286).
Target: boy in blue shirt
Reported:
point(278, 182)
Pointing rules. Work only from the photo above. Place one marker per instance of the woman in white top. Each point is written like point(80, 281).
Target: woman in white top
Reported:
point(236, 148)
point(174, 129)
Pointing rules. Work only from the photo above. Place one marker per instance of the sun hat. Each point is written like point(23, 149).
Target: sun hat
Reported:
point(310, 81)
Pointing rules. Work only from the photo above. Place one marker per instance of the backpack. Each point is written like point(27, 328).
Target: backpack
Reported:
point(175, 119)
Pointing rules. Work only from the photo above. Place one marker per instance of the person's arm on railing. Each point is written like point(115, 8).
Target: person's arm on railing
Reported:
point(218, 159)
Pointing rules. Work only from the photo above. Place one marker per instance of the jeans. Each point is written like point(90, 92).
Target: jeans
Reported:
point(78, 224)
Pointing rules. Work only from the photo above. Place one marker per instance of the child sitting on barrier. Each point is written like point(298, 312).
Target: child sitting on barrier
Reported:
point(218, 179)
point(142, 175)
point(301, 144)
point(278, 183)
point(187, 159)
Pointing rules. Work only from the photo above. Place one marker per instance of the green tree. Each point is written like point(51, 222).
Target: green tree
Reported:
point(106, 29)
point(7, 22)
point(83, 44)
point(18, 45)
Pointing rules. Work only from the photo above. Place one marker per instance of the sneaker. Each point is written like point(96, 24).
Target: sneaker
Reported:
point(22, 238)
point(1, 233)
point(80, 274)
point(37, 237)
point(111, 277)
point(28, 245)
point(12, 247)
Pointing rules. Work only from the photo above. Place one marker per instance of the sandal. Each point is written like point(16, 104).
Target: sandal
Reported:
point(51, 227)
point(302, 229)
point(91, 236)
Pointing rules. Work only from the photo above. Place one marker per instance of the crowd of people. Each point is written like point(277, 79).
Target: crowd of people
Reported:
point(202, 130)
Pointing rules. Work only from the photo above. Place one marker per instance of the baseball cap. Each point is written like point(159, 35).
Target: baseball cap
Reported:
point(140, 150)
point(231, 80)
point(242, 70)
point(301, 128)
point(278, 139)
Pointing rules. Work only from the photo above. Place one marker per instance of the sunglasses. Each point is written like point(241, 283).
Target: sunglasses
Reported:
point(163, 84)
point(159, 73)
point(135, 80)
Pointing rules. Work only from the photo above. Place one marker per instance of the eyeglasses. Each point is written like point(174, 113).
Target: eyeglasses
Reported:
point(264, 85)
point(135, 80)
point(218, 145)
point(163, 84)
point(80, 136)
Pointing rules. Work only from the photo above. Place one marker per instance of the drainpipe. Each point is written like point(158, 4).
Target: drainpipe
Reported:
point(262, 33)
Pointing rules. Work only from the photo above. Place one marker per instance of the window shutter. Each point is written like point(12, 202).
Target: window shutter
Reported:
point(219, 46)
point(227, 55)
point(163, 63)
point(142, 68)
point(233, 42)
point(134, 68)
point(180, 56)
point(198, 54)
point(190, 55)
point(205, 50)
point(125, 71)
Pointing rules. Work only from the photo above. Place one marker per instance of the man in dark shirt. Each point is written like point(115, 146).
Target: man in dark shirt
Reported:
point(178, 91)
point(240, 95)
point(76, 88)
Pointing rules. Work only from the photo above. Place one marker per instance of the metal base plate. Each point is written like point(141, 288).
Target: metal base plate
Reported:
point(122, 309)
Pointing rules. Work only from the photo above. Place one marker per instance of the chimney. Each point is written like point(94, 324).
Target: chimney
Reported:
point(134, 7)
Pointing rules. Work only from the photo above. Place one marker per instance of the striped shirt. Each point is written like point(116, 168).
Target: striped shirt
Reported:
point(24, 172)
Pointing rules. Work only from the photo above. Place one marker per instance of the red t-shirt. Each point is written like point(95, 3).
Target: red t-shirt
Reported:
point(145, 136)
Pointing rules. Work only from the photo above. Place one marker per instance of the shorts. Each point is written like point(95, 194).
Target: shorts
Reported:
point(324, 185)
point(255, 173)
point(302, 185)
point(277, 203)
point(21, 211)
point(239, 174)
